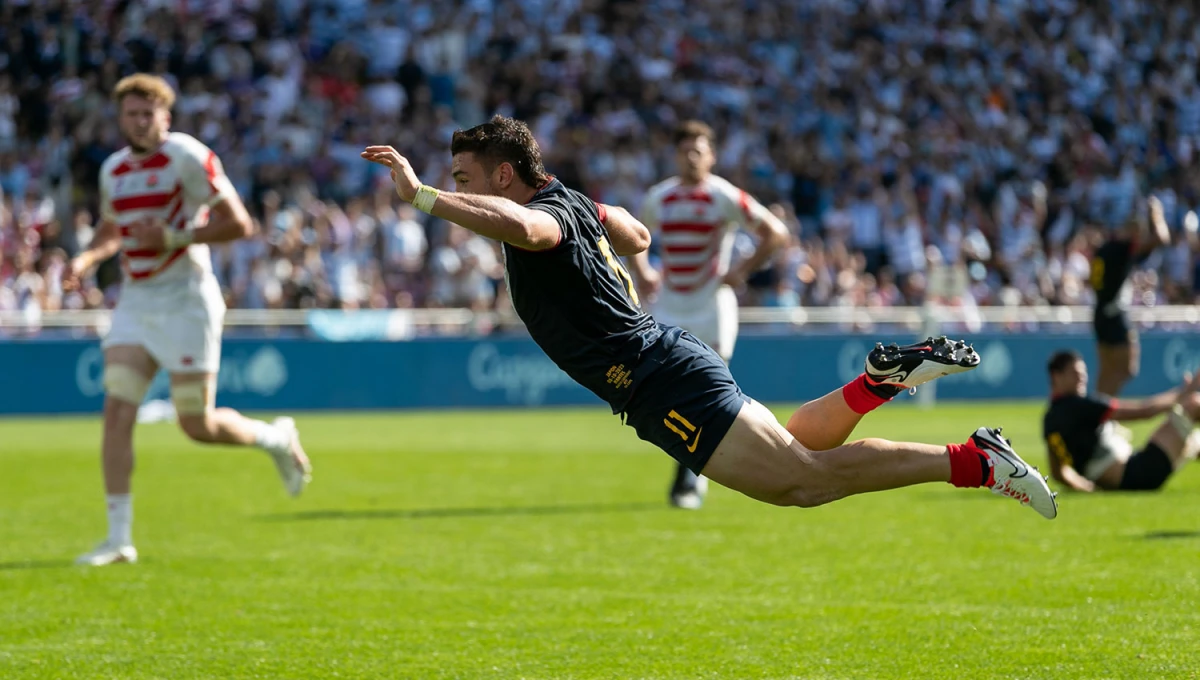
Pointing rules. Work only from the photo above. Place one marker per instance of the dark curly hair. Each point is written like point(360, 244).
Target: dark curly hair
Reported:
point(1062, 360)
point(503, 140)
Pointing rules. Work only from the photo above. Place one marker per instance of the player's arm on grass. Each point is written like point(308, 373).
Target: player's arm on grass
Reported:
point(1068, 476)
point(627, 235)
point(493, 217)
point(1062, 468)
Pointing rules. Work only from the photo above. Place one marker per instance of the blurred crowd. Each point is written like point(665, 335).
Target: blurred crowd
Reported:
point(1002, 139)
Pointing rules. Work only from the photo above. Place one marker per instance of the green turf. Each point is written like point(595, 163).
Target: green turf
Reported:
point(538, 545)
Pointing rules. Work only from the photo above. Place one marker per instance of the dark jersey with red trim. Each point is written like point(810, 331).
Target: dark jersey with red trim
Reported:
point(1111, 265)
point(1072, 427)
point(578, 300)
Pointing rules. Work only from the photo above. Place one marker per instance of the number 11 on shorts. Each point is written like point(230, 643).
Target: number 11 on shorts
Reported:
point(674, 420)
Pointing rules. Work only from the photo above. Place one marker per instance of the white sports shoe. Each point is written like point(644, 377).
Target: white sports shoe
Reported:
point(108, 553)
point(290, 459)
point(1014, 477)
point(910, 365)
point(692, 499)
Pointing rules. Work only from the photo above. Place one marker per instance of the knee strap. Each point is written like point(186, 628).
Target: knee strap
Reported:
point(125, 383)
point(193, 397)
point(1180, 420)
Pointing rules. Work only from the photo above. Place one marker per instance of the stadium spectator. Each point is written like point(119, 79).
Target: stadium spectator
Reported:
point(884, 126)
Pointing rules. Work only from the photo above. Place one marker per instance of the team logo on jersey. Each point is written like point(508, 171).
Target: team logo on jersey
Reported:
point(152, 180)
point(619, 376)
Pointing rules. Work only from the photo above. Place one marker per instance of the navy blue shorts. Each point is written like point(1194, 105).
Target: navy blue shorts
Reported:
point(686, 401)
point(1111, 326)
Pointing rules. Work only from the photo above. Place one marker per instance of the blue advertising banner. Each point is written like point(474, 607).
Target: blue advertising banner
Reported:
point(64, 376)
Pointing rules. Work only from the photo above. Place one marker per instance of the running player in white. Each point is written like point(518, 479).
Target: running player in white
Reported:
point(163, 198)
point(695, 216)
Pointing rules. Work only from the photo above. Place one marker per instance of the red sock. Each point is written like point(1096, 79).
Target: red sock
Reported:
point(860, 396)
point(969, 467)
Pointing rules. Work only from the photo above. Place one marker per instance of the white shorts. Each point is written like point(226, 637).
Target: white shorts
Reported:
point(1114, 444)
point(178, 324)
point(714, 322)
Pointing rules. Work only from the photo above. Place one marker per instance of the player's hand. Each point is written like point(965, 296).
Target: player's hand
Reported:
point(403, 174)
point(149, 234)
point(1083, 486)
point(651, 282)
point(1191, 384)
point(73, 273)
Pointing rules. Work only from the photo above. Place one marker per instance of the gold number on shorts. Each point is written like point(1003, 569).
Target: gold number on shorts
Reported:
point(619, 270)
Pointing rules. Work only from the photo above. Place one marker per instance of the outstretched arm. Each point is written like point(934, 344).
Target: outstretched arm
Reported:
point(1149, 407)
point(1141, 409)
point(499, 218)
point(490, 216)
point(1159, 234)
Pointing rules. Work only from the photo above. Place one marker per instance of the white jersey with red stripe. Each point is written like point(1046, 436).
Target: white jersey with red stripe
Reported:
point(695, 225)
point(177, 182)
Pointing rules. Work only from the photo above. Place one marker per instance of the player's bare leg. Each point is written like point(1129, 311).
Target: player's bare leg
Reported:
point(761, 459)
point(824, 423)
point(1118, 365)
point(128, 370)
point(194, 394)
point(766, 461)
point(1174, 443)
point(827, 422)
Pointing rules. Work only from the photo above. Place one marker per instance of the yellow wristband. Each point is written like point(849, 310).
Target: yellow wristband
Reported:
point(425, 198)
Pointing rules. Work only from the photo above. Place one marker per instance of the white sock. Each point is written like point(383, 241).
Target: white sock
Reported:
point(120, 518)
point(268, 437)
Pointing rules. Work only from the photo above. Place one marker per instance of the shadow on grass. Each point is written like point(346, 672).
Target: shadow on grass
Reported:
point(438, 513)
point(35, 564)
point(1168, 535)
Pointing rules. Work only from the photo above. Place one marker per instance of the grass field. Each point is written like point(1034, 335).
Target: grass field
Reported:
point(539, 545)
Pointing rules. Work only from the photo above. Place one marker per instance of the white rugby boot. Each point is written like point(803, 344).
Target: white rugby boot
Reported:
point(1013, 477)
point(108, 553)
point(290, 460)
point(907, 366)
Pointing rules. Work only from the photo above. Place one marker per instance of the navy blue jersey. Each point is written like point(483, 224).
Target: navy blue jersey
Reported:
point(1071, 427)
point(1111, 265)
point(577, 299)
